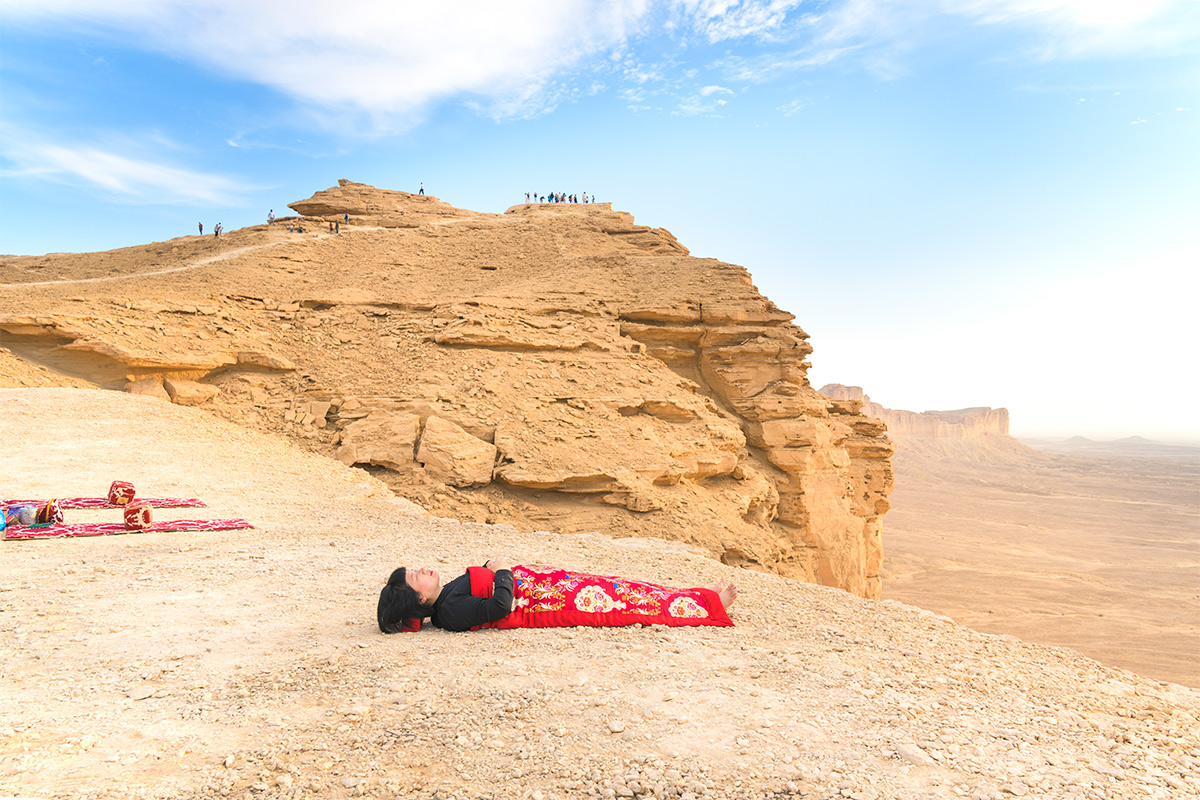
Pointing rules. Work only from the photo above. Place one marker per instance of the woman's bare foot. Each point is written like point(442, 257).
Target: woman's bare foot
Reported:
point(726, 591)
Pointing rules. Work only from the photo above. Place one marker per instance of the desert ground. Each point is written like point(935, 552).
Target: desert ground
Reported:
point(247, 663)
point(1094, 547)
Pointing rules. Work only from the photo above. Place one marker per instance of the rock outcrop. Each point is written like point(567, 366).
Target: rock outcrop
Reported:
point(366, 205)
point(385, 440)
point(114, 349)
point(454, 456)
point(557, 367)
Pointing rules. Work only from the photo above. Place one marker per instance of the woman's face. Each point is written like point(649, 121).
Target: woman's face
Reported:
point(425, 582)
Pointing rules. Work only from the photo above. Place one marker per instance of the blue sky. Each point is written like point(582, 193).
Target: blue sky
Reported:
point(965, 202)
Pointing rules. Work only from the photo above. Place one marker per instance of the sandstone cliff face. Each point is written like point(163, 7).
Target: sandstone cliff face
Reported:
point(557, 367)
point(831, 465)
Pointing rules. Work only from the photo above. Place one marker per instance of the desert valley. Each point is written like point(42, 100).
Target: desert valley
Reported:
point(930, 608)
point(1084, 544)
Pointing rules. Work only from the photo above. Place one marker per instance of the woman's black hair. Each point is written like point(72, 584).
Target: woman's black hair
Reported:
point(399, 602)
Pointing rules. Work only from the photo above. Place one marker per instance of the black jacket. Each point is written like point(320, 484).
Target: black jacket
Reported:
point(456, 610)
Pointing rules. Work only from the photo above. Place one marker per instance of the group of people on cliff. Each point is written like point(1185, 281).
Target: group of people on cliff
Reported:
point(558, 197)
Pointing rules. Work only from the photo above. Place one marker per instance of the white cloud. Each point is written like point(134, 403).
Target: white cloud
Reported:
point(707, 90)
point(388, 60)
point(121, 177)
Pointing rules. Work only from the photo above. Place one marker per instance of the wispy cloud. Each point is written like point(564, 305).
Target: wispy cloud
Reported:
point(694, 104)
point(1090, 13)
point(121, 177)
point(764, 67)
point(1052, 28)
point(792, 108)
point(723, 20)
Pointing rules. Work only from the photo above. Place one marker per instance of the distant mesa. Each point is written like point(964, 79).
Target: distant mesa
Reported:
point(963, 423)
point(1128, 447)
point(974, 434)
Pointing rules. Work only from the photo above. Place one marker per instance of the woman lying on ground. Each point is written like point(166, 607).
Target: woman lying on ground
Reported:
point(498, 595)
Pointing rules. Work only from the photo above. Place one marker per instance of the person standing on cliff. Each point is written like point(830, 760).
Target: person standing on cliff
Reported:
point(270, 216)
point(201, 225)
point(422, 188)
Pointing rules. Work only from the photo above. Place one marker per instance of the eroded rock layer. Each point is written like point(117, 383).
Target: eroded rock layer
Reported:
point(556, 367)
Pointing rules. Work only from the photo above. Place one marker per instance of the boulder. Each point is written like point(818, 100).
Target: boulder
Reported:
point(454, 456)
point(189, 393)
point(385, 439)
point(149, 387)
point(264, 359)
point(313, 412)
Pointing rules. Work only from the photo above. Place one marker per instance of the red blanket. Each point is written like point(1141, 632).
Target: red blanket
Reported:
point(110, 528)
point(120, 493)
point(545, 597)
point(103, 502)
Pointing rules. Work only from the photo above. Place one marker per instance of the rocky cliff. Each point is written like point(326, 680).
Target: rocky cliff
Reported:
point(557, 367)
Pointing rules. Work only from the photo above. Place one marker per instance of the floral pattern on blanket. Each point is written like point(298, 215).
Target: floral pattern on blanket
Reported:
point(546, 589)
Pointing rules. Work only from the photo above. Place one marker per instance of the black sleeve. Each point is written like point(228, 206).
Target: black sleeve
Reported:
point(502, 595)
point(459, 611)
